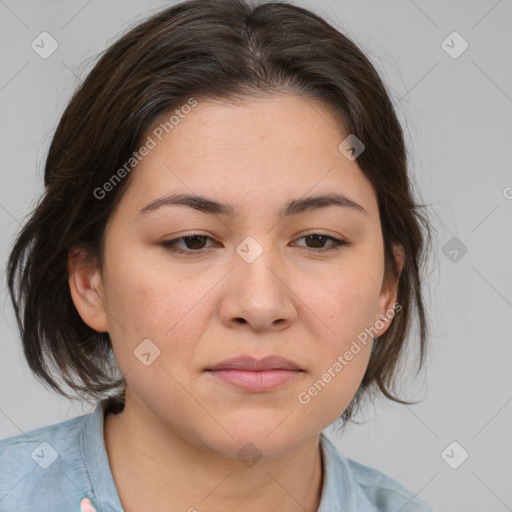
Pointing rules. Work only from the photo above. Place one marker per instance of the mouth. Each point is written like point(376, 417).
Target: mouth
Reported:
point(256, 375)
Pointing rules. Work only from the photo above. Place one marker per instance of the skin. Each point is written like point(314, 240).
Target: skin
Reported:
point(181, 428)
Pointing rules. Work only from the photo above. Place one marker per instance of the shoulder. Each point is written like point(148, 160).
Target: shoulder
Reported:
point(370, 489)
point(43, 468)
point(384, 491)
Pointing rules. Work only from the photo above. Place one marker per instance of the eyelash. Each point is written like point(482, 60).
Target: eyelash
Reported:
point(170, 245)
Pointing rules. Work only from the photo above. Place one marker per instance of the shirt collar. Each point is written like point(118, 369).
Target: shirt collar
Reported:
point(95, 457)
point(338, 485)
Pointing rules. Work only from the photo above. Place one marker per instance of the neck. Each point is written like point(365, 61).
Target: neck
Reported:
point(173, 474)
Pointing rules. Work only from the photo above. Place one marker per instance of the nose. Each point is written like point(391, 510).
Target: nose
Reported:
point(259, 294)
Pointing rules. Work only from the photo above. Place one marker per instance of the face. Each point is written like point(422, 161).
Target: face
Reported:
point(255, 272)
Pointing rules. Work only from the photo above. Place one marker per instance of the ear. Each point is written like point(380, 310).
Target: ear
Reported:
point(387, 304)
point(86, 286)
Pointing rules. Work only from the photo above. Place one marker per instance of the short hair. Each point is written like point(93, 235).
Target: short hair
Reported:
point(209, 49)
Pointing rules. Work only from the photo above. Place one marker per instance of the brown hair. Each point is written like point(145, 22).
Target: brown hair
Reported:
point(219, 49)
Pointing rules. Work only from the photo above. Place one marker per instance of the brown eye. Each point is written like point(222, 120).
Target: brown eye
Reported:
point(317, 241)
point(193, 243)
point(196, 243)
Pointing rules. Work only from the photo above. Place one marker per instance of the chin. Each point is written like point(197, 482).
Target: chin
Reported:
point(265, 434)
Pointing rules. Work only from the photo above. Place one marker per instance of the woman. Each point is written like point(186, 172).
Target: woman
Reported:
point(226, 259)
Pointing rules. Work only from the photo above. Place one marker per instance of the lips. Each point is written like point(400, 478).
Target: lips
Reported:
point(255, 375)
point(252, 364)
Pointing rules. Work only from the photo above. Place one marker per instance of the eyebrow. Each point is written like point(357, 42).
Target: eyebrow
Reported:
point(212, 207)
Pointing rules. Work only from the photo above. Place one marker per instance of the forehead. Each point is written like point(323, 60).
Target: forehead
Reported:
point(260, 148)
point(253, 123)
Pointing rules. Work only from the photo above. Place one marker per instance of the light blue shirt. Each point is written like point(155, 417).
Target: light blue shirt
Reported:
point(52, 468)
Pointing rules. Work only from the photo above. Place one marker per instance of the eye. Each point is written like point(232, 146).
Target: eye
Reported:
point(194, 243)
point(318, 241)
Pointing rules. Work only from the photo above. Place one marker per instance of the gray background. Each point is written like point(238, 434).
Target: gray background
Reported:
point(456, 113)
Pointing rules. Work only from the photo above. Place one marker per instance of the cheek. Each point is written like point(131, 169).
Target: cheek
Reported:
point(341, 356)
point(146, 303)
point(347, 301)
point(346, 304)
point(148, 296)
